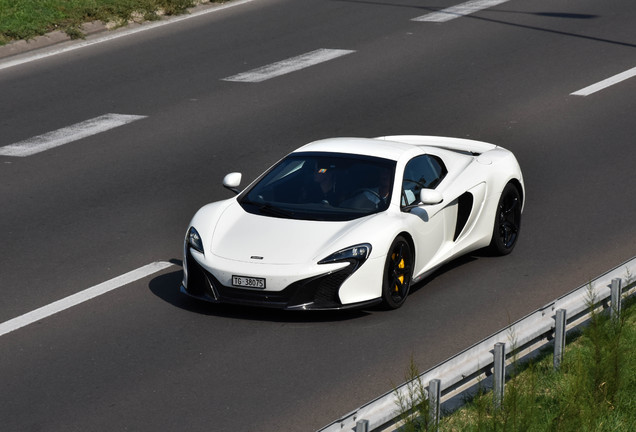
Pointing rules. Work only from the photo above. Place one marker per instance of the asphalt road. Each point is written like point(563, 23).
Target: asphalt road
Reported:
point(145, 358)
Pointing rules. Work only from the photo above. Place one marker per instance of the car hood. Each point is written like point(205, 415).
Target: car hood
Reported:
point(242, 236)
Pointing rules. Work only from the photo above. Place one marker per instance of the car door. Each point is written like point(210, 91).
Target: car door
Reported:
point(430, 224)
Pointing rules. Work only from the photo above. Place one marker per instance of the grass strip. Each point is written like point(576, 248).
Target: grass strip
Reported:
point(26, 19)
point(594, 390)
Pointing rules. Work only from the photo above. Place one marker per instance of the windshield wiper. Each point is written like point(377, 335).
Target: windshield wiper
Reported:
point(268, 209)
point(275, 211)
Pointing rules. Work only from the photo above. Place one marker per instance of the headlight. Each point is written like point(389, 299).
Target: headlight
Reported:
point(358, 253)
point(194, 240)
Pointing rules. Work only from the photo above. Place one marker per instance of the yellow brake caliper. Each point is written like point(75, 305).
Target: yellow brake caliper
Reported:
point(401, 265)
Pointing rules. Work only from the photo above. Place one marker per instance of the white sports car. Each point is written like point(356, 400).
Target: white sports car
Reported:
point(350, 222)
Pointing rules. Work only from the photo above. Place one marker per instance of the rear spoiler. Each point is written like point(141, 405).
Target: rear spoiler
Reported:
point(462, 145)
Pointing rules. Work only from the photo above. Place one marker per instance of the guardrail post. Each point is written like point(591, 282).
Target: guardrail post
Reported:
point(616, 294)
point(559, 338)
point(362, 426)
point(499, 376)
point(434, 397)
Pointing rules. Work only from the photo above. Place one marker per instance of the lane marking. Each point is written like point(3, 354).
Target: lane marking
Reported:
point(458, 10)
point(605, 83)
point(68, 134)
point(118, 34)
point(290, 65)
point(81, 297)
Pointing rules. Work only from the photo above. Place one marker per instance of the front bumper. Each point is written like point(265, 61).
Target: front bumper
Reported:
point(313, 293)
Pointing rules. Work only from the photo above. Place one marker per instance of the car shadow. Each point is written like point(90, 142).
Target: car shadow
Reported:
point(166, 287)
point(450, 266)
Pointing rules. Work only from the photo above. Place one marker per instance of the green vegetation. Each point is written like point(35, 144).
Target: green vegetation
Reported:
point(26, 19)
point(594, 390)
point(413, 408)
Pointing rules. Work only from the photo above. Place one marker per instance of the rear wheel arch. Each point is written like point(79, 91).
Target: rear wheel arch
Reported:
point(519, 187)
point(507, 221)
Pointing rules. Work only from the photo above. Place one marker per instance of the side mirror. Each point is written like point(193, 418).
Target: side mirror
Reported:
point(232, 181)
point(430, 197)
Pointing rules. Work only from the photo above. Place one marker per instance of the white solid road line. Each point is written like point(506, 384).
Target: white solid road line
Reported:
point(606, 83)
point(290, 65)
point(66, 135)
point(82, 296)
point(117, 34)
point(458, 11)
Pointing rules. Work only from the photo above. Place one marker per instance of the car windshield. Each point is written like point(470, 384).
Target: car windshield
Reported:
point(322, 186)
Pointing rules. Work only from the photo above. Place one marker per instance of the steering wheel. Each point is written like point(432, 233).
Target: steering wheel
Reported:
point(361, 190)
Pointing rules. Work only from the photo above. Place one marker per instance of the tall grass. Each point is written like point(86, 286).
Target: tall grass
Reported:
point(413, 406)
point(594, 390)
point(26, 19)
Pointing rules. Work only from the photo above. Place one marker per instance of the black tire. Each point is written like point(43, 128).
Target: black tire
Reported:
point(507, 221)
point(398, 271)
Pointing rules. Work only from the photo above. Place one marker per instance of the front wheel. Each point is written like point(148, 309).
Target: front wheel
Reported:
point(507, 221)
point(398, 270)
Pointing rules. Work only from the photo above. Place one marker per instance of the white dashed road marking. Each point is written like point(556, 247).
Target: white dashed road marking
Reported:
point(606, 83)
point(66, 135)
point(81, 297)
point(290, 65)
point(459, 10)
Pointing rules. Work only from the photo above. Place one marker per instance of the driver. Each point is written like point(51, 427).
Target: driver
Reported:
point(374, 196)
point(380, 199)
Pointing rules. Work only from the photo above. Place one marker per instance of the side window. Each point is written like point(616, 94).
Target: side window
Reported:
point(422, 172)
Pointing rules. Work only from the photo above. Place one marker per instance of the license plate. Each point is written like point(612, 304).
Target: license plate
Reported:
point(248, 282)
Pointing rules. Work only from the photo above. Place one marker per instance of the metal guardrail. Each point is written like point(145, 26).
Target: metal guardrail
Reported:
point(462, 374)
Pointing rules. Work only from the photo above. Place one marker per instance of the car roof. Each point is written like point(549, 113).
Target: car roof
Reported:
point(396, 147)
point(362, 146)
